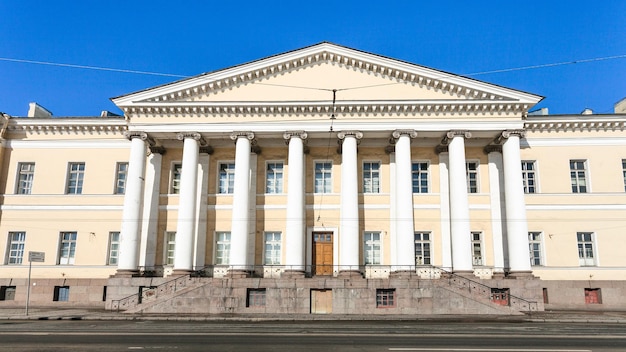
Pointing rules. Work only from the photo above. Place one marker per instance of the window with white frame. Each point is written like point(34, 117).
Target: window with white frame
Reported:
point(272, 248)
point(114, 247)
point(534, 243)
point(477, 248)
point(170, 247)
point(323, 177)
point(15, 252)
point(371, 248)
point(222, 248)
point(585, 249)
point(226, 178)
point(529, 177)
point(177, 169)
point(624, 172)
point(120, 178)
point(419, 176)
point(26, 174)
point(578, 175)
point(274, 177)
point(371, 177)
point(422, 248)
point(75, 176)
point(67, 248)
point(471, 168)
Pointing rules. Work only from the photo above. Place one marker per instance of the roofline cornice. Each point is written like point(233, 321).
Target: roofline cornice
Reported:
point(59, 125)
point(575, 123)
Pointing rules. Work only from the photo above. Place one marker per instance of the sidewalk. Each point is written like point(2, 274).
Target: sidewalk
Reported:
point(89, 314)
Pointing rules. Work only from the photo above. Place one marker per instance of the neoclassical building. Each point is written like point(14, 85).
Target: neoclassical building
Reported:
point(321, 180)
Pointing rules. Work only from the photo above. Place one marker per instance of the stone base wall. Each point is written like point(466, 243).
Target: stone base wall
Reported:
point(84, 293)
point(567, 294)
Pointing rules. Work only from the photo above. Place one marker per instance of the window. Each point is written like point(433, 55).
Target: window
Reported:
point(371, 248)
point(15, 252)
point(471, 168)
point(114, 248)
point(593, 296)
point(385, 297)
point(272, 248)
point(274, 178)
point(422, 248)
point(477, 248)
point(170, 247)
point(585, 249)
point(120, 178)
point(323, 177)
point(528, 176)
point(578, 175)
point(534, 242)
point(26, 173)
point(419, 175)
point(222, 248)
point(624, 172)
point(371, 177)
point(177, 169)
point(256, 297)
point(7, 293)
point(75, 175)
point(61, 293)
point(67, 249)
point(226, 178)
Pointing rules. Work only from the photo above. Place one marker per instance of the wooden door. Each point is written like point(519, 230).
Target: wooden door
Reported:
point(322, 301)
point(322, 253)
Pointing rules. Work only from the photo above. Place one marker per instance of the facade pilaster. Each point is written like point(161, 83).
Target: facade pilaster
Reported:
point(349, 204)
point(459, 204)
point(131, 215)
point(185, 230)
point(405, 236)
point(241, 198)
point(516, 224)
point(295, 226)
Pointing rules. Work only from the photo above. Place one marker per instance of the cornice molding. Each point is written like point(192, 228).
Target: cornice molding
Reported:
point(576, 125)
point(66, 126)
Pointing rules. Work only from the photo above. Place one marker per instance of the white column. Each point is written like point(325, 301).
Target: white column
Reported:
point(494, 156)
point(459, 204)
point(131, 215)
point(349, 205)
point(516, 225)
point(405, 232)
point(444, 197)
point(201, 207)
point(295, 235)
point(185, 230)
point(241, 197)
point(149, 228)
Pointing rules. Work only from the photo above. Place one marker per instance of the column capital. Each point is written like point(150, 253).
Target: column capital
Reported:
point(157, 149)
point(130, 135)
point(398, 133)
point(356, 134)
point(235, 135)
point(508, 133)
point(289, 134)
point(195, 135)
point(492, 148)
point(456, 133)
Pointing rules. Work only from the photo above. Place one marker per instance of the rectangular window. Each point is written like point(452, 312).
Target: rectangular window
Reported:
point(120, 178)
point(170, 247)
point(256, 297)
point(419, 175)
point(471, 168)
point(177, 169)
point(593, 296)
point(371, 177)
point(272, 248)
point(226, 178)
point(534, 242)
point(61, 293)
point(585, 249)
point(624, 172)
point(15, 252)
point(75, 175)
point(274, 178)
point(323, 177)
point(67, 249)
point(371, 247)
point(7, 293)
point(477, 248)
point(222, 248)
point(26, 173)
point(385, 297)
point(528, 176)
point(114, 247)
point(422, 248)
point(578, 175)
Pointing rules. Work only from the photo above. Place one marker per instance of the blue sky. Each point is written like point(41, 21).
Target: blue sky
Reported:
point(192, 37)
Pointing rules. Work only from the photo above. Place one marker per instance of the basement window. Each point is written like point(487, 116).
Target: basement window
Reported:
point(593, 296)
point(385, 297)
point(256, 297)
point(61, 293)
point(7, 293)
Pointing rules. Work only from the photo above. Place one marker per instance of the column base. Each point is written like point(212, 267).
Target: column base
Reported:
point(521, 275)
point(292, 274)
point(498, 275)
point(180, 272)
point(123, 273)
point(346, 274)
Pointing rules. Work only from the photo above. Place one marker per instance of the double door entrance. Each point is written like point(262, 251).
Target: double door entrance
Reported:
point(322, 261)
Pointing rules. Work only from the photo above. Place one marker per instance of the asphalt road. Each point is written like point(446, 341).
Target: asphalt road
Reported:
point(366, 336)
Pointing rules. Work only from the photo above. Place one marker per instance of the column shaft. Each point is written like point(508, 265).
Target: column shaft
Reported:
point(295, 235)
point(404, 214)
point(241, 197)
point(349, 207)
point(459, 207)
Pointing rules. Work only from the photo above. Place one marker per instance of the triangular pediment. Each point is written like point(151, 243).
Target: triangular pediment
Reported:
point(309, 76)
